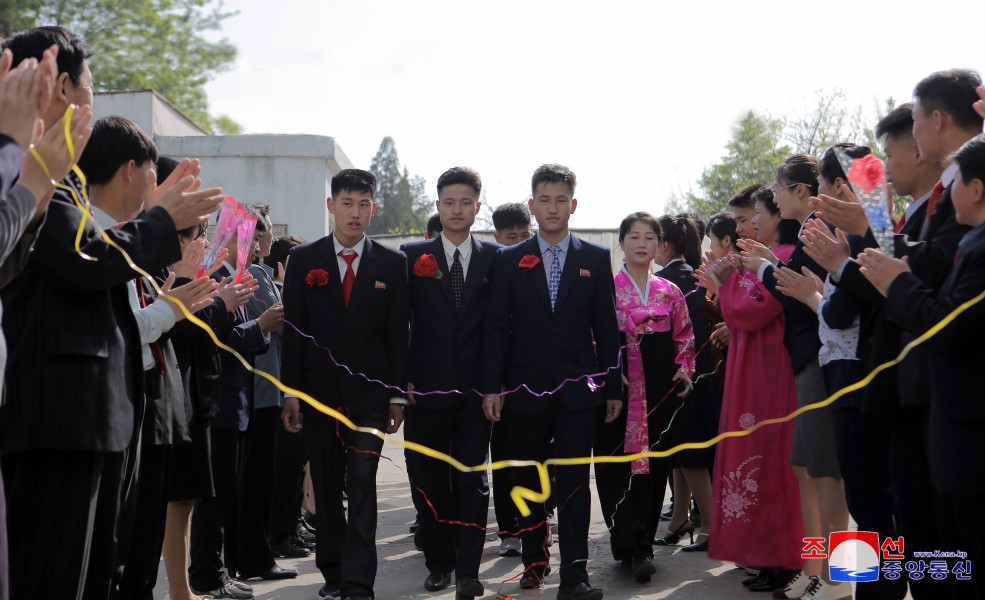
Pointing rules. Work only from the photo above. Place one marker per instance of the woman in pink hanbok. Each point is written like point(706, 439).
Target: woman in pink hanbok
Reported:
point(658, 364)
point(757, 515)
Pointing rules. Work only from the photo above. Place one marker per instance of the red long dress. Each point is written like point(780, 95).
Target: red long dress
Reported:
point(757, 517)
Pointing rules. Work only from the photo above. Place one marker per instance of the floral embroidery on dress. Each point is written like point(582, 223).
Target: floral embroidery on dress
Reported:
point(738, 491)
point(747, 420)
point(748, 283)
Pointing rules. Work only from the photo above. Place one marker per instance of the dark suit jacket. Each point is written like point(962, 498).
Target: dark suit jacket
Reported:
point(370, 336)
point(954, 364)
point(446, 345)
point(236, 383)
point(75, 368)
point(800, 333)
point(198, 357)
point(526, 342)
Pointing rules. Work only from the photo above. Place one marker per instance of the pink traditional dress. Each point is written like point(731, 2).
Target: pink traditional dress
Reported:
point(659, 341)
point(757, 518)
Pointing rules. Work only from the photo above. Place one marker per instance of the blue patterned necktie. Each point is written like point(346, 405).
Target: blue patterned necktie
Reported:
point(555, 274)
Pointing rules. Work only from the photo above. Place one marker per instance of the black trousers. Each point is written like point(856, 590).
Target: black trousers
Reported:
point(462, 432)
point(150, 513)
point(573, 434)
point(205, 571)
point(865, 460)
point(285, 503)
point(343, 459)
point(77, 558)
point(248, 551)
point(507, 517)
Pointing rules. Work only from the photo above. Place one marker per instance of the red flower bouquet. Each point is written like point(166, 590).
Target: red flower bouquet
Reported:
point(427, 266)
point(867, 172)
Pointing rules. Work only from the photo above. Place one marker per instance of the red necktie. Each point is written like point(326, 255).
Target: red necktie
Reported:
point(350, 276)
point(901, 223)
point(155, 346)
point(934, 197)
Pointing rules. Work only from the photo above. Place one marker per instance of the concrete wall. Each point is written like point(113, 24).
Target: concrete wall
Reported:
point(146, 108)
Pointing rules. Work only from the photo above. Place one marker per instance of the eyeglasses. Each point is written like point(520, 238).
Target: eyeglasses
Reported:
point(776, 188)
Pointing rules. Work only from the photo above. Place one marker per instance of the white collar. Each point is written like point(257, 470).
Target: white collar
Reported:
point(464, 248)
point(916, 204)
point(947, 177)
point(358, 247)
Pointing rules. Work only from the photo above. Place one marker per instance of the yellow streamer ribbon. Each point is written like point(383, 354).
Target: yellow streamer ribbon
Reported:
point(520, 495)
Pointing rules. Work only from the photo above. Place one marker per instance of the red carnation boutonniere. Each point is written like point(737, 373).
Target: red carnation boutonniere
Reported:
point(529, 261)
point(317, 277)
point(427, 266)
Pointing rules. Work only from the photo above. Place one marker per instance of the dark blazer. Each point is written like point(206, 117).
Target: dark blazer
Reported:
point(369, 337)
point(931, 258)
point(956, 434)
point(198, 357)
point(800, 334)
point(75, 368)
point(446, 345)
point(235, 382)
point(527, 342)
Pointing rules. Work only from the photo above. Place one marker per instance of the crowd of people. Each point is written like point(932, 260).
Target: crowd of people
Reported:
point(149, 434)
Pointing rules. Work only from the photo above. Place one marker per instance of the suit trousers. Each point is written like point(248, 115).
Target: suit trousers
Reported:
point(507, 516)
point(76, 559)
point(249, 552)
point(150, 512)
point(574, 434)
point(205, 570)
point(345, 459)
point(865, 460)
point(461, 431)
point(285, 504)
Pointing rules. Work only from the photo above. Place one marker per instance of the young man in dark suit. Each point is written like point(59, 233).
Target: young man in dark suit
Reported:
point(550, 324)
point(350, 294)
point(956, 424)
point(449, 282)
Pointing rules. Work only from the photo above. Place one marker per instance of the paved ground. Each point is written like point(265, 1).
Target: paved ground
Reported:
point(401, 573)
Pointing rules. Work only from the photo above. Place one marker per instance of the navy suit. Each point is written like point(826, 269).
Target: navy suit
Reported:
point(446, 354)
point(526, 342)
point(370, 337)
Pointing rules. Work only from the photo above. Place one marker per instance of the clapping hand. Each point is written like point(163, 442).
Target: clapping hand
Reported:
point(979, 105)
point(194, 295)
point(754, 254)
point(24, 94)
point(847, 215)
point(191, 260)
point(52, 147)
point(881, 270)
point(807, 288)
point(829, 252)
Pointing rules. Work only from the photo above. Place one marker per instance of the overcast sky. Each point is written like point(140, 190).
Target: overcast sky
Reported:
point(635, 97)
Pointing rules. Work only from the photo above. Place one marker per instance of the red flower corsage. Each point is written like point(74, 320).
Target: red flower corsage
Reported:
point(529, 261)
point(427, 266)
point(317, 277)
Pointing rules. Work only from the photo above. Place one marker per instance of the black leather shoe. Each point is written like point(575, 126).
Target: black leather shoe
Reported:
point(289, 549)
point(437, 581)
point(468, 587)
point(534, 578)
point(274, 572)
point(770, 580)
point(305, 535)
point(579, 591)
point(643, 569)
point(696, 547)
point(307, 521)
point(329, 590)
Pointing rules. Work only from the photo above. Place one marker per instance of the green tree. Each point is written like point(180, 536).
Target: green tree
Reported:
point(403, 201)
point(142, 44)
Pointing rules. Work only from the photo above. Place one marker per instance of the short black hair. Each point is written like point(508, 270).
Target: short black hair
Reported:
point(262, 211)
point(354, 180)
point(280, 248)
point(553, 173)
point(434, 226)
point(114, 142)
point(743, 198)
point(971, 159)
point(951, 91)
point(787, 229)
point(831, 169)
point(800, 168)
point(512, 214)
point(722, 225)
point(195, 231)
point(165, 166)
point(463, 175)
point(635, 217)
point(681, 233)
point(73, 51)
point(898, 124)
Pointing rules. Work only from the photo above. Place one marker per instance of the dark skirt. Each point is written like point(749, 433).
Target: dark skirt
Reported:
point(630, 503)
point(190, 476)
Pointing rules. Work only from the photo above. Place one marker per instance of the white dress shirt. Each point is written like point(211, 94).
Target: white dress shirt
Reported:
point(343, 266)
point(465, 253)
